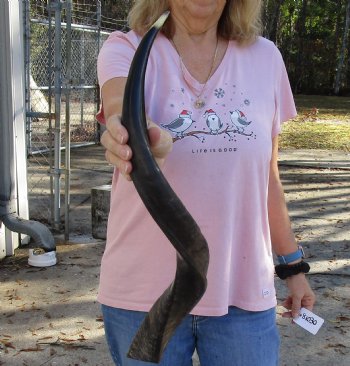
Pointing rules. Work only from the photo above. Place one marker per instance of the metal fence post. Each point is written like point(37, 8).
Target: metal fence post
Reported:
point(68, 84)
point(26, 5)
point(51, 137)
point(97, 90)
point(57, 7)
point(82, 77)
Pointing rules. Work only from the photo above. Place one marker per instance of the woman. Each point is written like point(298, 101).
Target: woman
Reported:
point(220, 92)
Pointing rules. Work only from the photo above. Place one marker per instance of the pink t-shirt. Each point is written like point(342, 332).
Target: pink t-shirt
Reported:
point(219, 168)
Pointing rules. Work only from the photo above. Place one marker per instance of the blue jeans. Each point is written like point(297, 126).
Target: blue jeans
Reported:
point(240, 338)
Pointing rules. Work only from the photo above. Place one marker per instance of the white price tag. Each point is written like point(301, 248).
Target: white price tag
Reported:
point(309, 321)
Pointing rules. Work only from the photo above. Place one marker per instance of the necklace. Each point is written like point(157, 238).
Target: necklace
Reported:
point(199, 102)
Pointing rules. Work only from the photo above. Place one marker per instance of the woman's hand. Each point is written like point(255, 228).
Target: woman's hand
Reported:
point(119, 153)
point(300, 295)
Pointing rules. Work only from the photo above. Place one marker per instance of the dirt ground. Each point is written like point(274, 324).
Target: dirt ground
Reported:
point(49, 316)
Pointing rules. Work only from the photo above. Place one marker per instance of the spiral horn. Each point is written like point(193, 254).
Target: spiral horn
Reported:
point(169, 213)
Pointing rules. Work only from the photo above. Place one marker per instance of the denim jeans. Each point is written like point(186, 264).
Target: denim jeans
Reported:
point(240, 338)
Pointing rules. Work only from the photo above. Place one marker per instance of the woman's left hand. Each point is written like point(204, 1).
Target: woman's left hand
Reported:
point(300, 295)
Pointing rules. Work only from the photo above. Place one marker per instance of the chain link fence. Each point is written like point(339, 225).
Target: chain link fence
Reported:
point(62, 41)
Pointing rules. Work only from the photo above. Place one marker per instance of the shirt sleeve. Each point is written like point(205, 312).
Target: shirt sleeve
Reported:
point(114, 60)
point(284, 101)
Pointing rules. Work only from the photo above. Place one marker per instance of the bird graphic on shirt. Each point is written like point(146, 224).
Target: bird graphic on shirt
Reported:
point(180, 124)
point(213, 121)
point(239, 120)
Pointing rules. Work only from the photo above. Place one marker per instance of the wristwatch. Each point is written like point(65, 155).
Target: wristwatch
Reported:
point(286, 259)
point(284, 271)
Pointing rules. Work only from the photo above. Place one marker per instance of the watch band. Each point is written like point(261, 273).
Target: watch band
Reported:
point(284, 271)
point(286, 259)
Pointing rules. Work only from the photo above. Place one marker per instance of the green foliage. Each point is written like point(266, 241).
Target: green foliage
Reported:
point(309, 34)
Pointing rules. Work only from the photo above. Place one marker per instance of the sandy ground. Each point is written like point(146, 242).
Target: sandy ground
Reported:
point(49, 316)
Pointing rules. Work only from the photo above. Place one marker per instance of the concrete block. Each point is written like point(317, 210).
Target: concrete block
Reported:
point(100, 204)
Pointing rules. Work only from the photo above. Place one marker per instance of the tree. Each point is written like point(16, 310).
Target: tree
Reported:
point(272, 14)
point(340, 67)
point(313, 36)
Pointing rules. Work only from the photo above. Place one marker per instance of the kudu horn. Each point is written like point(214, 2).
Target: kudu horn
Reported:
point(169, 213)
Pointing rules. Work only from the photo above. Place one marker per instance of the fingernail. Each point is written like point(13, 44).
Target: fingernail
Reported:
point(121, 138)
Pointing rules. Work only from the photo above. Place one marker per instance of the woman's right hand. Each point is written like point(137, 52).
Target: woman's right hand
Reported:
point(119, 153)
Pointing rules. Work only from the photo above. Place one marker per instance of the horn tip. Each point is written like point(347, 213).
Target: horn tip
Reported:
point(161, 20)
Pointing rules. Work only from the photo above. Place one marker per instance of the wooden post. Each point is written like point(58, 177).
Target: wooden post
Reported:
point(100, 204)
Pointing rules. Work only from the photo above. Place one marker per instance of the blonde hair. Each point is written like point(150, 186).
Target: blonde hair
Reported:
point(240, 20)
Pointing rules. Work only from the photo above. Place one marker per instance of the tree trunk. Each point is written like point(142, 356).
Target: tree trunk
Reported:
point(272, 10)
point(301, 34)
point(265, 18)
point(337, 44)
point(339, 74)
point(275, 20)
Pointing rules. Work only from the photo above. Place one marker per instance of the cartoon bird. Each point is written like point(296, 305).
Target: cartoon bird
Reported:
point(181, 124)
point(213, 121)
point(239, 120)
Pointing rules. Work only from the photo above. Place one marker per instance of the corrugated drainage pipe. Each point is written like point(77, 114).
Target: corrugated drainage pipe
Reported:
point(36, 230)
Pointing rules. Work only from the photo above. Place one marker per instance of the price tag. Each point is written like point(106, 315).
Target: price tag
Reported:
point(309, 321)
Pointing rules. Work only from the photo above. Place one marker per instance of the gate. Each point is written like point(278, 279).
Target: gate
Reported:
point(62, 41)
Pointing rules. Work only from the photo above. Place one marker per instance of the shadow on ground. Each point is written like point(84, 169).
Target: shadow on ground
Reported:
point(49, 316)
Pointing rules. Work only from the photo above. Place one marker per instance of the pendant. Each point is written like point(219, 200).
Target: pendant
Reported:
point(199, 103)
